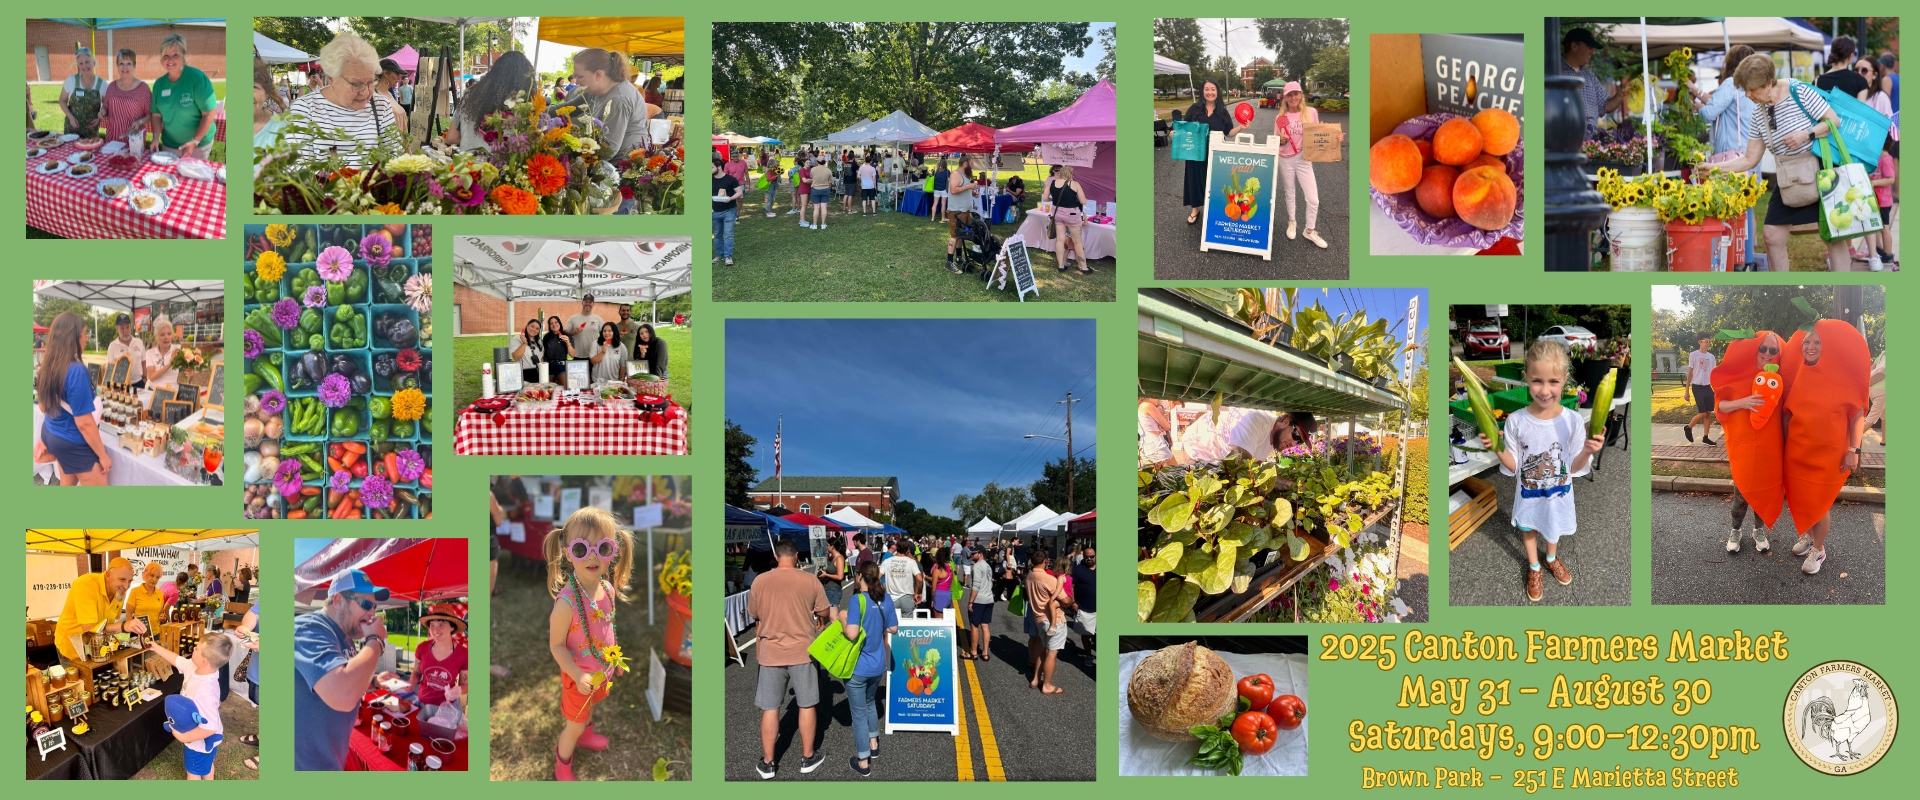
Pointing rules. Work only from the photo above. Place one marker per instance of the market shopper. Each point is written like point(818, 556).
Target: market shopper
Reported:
point(1787, 117)
point(202, 682)
point(789, 608)
point(820, 176)
point(869, 613)
point(980, 601)
point(1069, 219)
point(493, 93)
point(266, 104)
point(95, 601)
point(1047, 608)
point(248, 630)
point(1840, 75)
point(903, 576)
point(833, 574)
point(589, 570)
point(331, 671)
point(1295, 170)
point(1547, 446)
point(1700, 364)
point(128, 101)
point(1085, 597)
point(962, 202)
point(348, 104)
point(869, 175)
point(1727, 113)
point(727, 190)
point(69, 436)
point(1211, 109)
point(128, 346)
point(1597, 99)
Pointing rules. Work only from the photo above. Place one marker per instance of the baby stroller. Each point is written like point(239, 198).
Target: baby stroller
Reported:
point(977, 246)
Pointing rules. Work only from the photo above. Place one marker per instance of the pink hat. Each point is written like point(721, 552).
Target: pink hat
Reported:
point(1291, 87)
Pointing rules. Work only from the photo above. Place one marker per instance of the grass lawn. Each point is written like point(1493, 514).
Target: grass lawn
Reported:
point(1670, 403)
point(469, 352)
point(237, 718)
point(524, 715)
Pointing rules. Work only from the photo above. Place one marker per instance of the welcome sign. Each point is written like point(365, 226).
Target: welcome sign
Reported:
point(1240, 182)
point(923, 691)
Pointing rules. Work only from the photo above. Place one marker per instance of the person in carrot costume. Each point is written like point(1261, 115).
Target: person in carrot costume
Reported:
point(1826, 418)
point(1753, 433)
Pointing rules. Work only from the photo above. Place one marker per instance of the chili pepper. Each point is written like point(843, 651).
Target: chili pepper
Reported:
point(355, 447)
point(297, 514)
point(310, 491)
point(334, 465)
point(392, 463)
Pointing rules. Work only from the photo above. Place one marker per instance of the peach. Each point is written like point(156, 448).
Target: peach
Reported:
point(1485, 198)
point(1435, 193)
point(1499, 130)
point(1426, 152)
point(1456, 142)
point(1393, 164)
point(1484, 160)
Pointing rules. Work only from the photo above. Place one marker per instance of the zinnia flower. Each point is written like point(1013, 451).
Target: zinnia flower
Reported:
point(270, 266)
point(419, 289)
point(409, 163)
point(280, 235)
point(273, 402)
point(251, 344)
point(513, 200)
point(335, 264)
point(315, 297)
point(409, 404)
point(410, 465)
point(376, 492)
point(335, 390)
point(408, 360)
point(377, 248)
point(387, 209)
point(286, 478)
point(340, 482)
point(286, 313)
point(547, 174)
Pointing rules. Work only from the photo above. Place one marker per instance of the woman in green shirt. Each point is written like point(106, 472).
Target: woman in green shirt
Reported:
point(183, 102)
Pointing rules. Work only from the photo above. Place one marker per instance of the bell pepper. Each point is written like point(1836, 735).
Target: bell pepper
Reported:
point(316, 342)
point(267, 373)
point(250, 382)
point(377, 431)
point(336, 293)
point(346, 424)
point(426, 421)
point(402, 429)
point(356, 288)
point(381, 407)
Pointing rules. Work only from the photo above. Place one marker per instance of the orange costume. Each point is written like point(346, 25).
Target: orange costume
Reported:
point(1823, 399)
point(1755, 450)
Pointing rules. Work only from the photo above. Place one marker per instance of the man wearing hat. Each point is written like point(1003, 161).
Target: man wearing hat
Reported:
point(332, 671)
point(584, 329)
point(126, 344)
point(94, 603)
point(1577, 47)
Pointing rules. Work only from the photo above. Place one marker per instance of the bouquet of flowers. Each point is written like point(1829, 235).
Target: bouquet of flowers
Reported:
point(548, 158)
point(1630, 151)
point(655, 176)
point(187, 359)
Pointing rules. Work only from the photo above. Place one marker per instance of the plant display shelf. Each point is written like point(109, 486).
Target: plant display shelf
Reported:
point(1189, 355)
point(1277, 577)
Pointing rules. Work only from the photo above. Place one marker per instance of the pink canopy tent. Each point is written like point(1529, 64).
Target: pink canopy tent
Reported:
point(972, 137)
point(1091, 118)
point(407, 57)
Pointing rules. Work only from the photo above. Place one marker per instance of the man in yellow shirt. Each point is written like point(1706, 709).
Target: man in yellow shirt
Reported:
point(147, 599)
point(95, 598)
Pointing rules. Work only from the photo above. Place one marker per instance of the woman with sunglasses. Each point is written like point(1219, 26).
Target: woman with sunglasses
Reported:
point(589, 567)
point(1787, 117)
point(1752, 433)
point(128, 100)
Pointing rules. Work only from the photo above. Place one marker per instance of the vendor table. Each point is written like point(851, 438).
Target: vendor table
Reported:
point(536, 534)
point(119, 742)
point(576, 430)
point(916, 201)
point(738, 620)
point(75, 209)
point(1102, 241)
point(128, 469)
point(1002, 212)
point(364, 756)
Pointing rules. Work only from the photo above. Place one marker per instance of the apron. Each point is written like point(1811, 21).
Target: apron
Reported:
point(85, 105)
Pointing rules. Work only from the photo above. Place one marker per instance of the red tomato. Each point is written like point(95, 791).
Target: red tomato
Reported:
point(1254, 731)
point(1287, 711)
point(1258, 689)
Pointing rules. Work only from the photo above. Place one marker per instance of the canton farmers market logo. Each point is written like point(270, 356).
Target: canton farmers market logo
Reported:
point(651, 248)
point(583, 259)
point(1841, 717)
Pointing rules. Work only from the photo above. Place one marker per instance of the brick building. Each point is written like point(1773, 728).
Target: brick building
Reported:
point(820, 496)
point(1246, 72)
point(49, 50)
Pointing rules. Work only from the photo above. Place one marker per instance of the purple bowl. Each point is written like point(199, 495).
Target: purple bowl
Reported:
point(1452, 232)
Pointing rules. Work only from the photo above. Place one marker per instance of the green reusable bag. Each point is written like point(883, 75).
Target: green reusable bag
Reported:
point(929, 183)
point(762, 183)
point(836, 653)
point(1017, 604)
point(1848, 207)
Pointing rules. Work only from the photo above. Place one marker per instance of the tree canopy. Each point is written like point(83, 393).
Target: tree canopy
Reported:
point(1712, 309)
point(1295, 42)
point(1002, 503)
point(921, 522)
point(1181, 40)
point(386, 34)
point(1051, 489)
point(740, 474)
point(1331, 68)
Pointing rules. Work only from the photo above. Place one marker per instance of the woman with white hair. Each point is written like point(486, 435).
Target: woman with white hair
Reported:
point(183, 102)
point(159, 359)
point(80, 96)
point(349, 114)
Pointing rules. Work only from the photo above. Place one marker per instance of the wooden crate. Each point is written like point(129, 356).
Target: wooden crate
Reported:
point(1463, 522)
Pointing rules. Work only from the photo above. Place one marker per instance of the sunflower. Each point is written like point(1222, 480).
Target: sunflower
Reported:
point(280, 235)
point(409, 404)
point(269, 266)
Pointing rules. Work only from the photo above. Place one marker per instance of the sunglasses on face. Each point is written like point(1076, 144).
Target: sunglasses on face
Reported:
point(580, 550)
point(1769, 351)
point(364, 603)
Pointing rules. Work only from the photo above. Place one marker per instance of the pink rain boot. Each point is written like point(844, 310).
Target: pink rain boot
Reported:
point(562, 767)
point(591, 740)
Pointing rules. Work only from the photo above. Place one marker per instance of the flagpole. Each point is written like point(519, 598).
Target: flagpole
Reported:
point(778, 482)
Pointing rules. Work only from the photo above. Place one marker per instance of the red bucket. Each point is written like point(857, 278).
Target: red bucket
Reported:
point(1737, 252)
point(679, 644)
point(1698, 248)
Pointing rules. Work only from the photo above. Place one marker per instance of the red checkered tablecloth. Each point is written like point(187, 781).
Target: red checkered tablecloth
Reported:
point(74, 208)
point(570, 431)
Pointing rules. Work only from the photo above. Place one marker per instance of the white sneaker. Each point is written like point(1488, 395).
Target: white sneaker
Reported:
point(791, 211)
point(1315, 238)
point(806, 224)
point(1815, 557)
point(822, 226)
point(1760, 543)
point(1875, 265)
point(729, 262)
point(716, 260)
point(1733, 541)
point(1291, 230)
point(1801, 544)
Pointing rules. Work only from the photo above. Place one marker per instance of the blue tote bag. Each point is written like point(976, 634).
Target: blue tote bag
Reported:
point(1862, 127)
point(1188, 142)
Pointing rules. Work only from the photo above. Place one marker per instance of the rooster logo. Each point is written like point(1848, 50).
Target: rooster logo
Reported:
point(1840, 717)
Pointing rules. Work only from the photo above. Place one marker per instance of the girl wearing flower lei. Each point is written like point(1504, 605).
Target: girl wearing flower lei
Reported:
point(580, 557)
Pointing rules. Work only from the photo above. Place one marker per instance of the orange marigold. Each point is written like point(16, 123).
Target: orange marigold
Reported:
point(547, 174)
point(390, 209)
point(539, 103)
point(656, 162)
point(409, 404)
point(514, 200)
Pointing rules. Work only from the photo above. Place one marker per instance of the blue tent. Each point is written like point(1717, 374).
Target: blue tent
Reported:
point(781, 528)
point(890, 529)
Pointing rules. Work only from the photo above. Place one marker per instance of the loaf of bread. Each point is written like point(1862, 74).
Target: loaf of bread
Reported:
point(1179, 687)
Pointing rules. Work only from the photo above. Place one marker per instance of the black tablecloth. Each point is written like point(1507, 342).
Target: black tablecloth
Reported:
point(118, 743)
point(66, 764)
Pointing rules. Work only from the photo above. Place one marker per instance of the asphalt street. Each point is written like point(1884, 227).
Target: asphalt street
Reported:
point(1489, 568)
point(1176, 244)
point(1033, 737)
point(1691, 565)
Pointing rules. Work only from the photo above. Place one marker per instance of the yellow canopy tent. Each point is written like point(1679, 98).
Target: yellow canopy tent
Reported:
point(100, 540)
point(640, 36)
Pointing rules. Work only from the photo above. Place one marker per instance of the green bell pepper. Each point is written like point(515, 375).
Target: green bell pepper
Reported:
point(380, 407)
point(343, 314)
point(402, 429)
point(315, 342)
point(357, 286)
point(250, 382)
point(426, 421)
point(377, 432)
point(346, 423)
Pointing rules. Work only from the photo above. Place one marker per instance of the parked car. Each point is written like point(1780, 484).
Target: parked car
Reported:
point(1485, 337)
point(1570, 335)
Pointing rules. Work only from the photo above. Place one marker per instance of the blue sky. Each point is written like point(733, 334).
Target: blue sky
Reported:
point(1084, 61)
point(941, 404)
point(1388, 303)
point(304, 549)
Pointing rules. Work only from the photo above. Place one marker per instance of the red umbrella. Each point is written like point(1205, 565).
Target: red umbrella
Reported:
point(431, 570)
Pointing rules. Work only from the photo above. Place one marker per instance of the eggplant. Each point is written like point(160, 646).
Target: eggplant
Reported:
point(311, 369)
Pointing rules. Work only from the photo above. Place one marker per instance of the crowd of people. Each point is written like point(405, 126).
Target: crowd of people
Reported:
point(607, 346)
point(174, 113)
point(865, 588)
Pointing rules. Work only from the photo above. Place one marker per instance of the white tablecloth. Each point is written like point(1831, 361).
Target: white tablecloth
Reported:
point(1102, 241)
point(1142, 754)
point(127, 470)
point(737, 617)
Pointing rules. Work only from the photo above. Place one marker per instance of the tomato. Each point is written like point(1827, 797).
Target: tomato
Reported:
point(1258, 689)
point(1254, 731)
point(1287, 711)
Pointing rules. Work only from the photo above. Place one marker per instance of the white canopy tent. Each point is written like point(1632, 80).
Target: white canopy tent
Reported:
point(1760, 33)
point(274, 52)
point(240, 542)
point(1040, 513)
point(1051, 526)
point(893, 129)
point(130, 294)
point(848, 516)
point(985, 525)
point(1167, 66)
point(619, 269)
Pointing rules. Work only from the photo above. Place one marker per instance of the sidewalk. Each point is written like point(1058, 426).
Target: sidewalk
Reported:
point(1670, 443)
point(1412, 572)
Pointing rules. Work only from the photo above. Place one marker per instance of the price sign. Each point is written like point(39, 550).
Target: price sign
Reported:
point(217, 389)
point(1015, 251)
point(122, 373)
point(649, 515)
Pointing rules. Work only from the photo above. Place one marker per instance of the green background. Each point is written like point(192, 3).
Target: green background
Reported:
point(1744, 694)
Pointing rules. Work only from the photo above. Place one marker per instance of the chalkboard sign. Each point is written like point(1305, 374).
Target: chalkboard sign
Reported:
point(76, 710)
point(95, 372)
point(187, 393)
point(51, 739)
point(175, 411)
point(1015, 249)
point(217, 388)
point(122, 373)
point(160, 397)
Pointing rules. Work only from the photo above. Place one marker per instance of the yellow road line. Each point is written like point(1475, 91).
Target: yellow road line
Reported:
point(962, 747)
point(989, 748)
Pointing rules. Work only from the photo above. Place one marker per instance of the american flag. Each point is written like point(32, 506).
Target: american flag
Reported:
point(776, 448)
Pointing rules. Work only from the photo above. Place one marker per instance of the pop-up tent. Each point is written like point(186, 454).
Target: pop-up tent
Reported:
point(407, 57)
point(435, 569)
point(1760, 33)
point(1051, 526)
point(850, 517)
point(463, 22)
point(972, 137)
point(893, 129)
point(744, 525)
point(1091, 118)
point(635, 36)
point(985, 525)
point(131, 293)
point(1083, 525)
point(1020, 523)
point(624, 269)
point(1167, 66)
point(273, 52)
point(312, 577)
point(101, 540)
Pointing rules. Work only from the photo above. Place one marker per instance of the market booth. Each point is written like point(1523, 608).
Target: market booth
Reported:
point(423, 576)
point(1063, 136)
point(158, 435)
point(101, 719)
point(566, 414)
point(975, 138)
point(661, 40)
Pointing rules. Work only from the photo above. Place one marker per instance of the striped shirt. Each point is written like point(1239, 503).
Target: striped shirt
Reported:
point(125, 107)
point(360, 127)
point(1789, 118)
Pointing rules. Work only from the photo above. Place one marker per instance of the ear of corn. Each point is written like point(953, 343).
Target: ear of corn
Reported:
point(1482, 407)
point(1602, 404)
